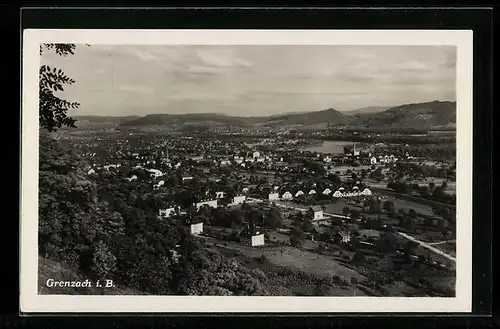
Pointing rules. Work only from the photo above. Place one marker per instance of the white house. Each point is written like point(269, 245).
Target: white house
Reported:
point(134, 177)
point(311, 192)
point(366, 191)
point(186, 178)
point(337, 194)
point(327, 159)
point(327, 191)
point(257, 239)
point(197, 158)
point(91, 171)
point(219, 195)
point(373, 160)
point(197, 228)
point(210, 203)
point(244, 190)
point(273, 196)
point(225, 162)
point(239, 199)
point(155, 172)
point(299, 193)
point(345, 237)
point(261, 159)
point(256, 154)
point(287, 196)
point(317, 212)
point(166, 213)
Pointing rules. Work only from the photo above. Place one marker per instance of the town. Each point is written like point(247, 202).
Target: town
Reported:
point(375, 218)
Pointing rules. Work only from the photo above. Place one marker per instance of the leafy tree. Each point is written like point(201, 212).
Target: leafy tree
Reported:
point(432, 186)
point(438, 193)
point(346, 211)
point(307, 225)
point(374, 205)
point(104, 262)
point(358, 258)
point(274, 218)
point(425, 192)
point(335, 179)
point(297, 237)
point(389, 207)
point(51, 80)
point(354, 215)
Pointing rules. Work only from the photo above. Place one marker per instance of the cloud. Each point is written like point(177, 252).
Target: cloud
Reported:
point(136, 89)
point(254, 80)
point(223, 58)
point(143, 55)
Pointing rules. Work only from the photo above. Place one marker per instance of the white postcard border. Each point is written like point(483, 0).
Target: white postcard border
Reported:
point(30, 301)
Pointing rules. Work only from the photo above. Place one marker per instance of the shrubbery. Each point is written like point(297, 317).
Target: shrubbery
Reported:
point(107, 229)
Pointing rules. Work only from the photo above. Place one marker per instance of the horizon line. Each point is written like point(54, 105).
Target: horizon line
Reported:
point(262, 116)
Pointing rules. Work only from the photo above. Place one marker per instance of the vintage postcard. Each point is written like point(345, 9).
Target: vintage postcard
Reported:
point(231, 171)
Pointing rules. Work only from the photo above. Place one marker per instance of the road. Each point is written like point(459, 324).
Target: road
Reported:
point(428, 246)
point(441, 242)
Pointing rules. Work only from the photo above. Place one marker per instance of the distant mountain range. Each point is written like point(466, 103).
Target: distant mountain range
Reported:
point(103, 120)
point(418, 115)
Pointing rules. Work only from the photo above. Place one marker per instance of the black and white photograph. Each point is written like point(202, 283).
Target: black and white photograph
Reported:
point(295, 172)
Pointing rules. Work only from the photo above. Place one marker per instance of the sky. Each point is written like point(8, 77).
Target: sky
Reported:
point(121, 80)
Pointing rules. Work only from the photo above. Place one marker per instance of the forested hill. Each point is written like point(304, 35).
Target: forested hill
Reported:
point(416, 115)
point(419, 116)
point(110, 230)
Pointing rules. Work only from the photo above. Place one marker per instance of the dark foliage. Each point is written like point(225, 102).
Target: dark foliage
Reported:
point(109, 228)
point(53, 110)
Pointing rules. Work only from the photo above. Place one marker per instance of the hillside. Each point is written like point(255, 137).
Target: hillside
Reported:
point(329, 116)
point(187, 119)
point(213, 119)
point(418, 116)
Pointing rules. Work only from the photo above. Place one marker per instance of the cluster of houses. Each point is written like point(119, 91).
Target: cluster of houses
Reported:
point(340, 193)
point(254, 235)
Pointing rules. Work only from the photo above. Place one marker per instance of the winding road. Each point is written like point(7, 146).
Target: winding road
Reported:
point(428, 246)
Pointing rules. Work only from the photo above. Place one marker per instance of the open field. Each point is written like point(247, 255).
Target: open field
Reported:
point(293, 265)
point(292, 257)
point(418, 207)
